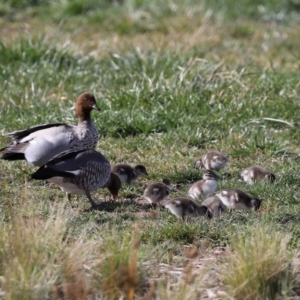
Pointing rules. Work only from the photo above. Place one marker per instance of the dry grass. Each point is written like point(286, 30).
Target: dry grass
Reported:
point(119, 273)
point(198, 79)
point(38, 260)
point(223, 39)
point(260, 266)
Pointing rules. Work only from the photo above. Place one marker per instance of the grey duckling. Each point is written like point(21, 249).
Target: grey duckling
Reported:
point(204, 187)
point(156, 192)
point(127, 173)
point(183, 207)
point(213, 160)
point(238, 199)
point(215, 206)
point(254, 173)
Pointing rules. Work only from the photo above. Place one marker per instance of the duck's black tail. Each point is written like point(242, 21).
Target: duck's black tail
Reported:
point(11, 155)
point(47, 173)
point(13, 152)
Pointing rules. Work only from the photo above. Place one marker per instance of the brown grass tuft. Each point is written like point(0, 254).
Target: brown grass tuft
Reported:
point(260, 267)
point(118, 272)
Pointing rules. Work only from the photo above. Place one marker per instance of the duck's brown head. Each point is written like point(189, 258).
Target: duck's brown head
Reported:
point(85, 103)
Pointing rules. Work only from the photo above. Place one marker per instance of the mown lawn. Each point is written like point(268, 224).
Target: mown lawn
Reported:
point(174, 79)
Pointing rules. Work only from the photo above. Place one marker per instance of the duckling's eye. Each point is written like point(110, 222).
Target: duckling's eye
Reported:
point(86, 99)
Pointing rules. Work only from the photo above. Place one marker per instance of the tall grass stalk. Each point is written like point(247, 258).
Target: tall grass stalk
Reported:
point(118, 272)
point(174, 79)
point(37, 260)
point(260, 266)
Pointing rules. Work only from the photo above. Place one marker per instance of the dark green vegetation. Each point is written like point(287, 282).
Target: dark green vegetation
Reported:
point(173, 79)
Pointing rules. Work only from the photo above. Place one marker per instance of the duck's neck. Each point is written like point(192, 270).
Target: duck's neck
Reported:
point(84, 119)
point(83, 116)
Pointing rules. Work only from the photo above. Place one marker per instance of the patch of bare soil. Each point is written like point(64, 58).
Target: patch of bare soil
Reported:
point(200, 267)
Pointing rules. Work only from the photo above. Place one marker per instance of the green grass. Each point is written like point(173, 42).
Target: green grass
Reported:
point(173, 79)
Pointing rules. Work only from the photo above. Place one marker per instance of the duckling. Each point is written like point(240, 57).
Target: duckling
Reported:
point(215, 206)
point(173, 187)
point(127, 173)
point(238, 199)
point(252, 174)
point(156, 192)
point(183, 207)
point(114, 185)
point(213, 160)
point(205, 186)
point(167, 182)
point(79, 172)
point(40, 143)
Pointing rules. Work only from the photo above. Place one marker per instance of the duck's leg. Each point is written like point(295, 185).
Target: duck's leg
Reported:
point(94, 205)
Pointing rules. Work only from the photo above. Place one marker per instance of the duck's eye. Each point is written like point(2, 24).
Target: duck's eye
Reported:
point(86, 99)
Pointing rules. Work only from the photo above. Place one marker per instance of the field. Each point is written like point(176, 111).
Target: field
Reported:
point(174, 79)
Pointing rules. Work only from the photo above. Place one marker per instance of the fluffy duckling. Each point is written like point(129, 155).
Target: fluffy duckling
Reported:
point(127, 173)
point(252, 174)
point(167, 182)
point(215, 206)
point(79, 172)
point(157, 191)
point(213, 160)
point(205, 186)
point(40, 143)
point(238, 199)
point(114, 185)
point(183, 207)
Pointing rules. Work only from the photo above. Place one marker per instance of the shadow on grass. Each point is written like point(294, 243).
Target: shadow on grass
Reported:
point(122, 206)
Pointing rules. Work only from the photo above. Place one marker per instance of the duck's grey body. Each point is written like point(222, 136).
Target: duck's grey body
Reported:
point(40, 143)
point(78, 172)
